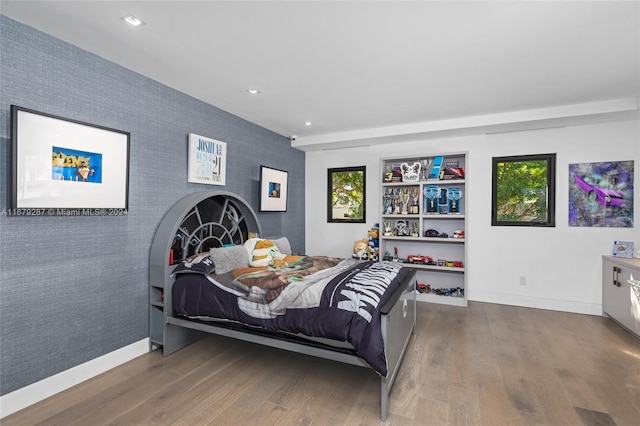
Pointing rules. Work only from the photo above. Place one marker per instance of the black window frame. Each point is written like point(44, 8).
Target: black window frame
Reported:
point(551, 190)
point(330, 174)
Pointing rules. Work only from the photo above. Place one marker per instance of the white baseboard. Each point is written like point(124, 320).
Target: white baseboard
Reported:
point(29, 395)
point(537, 302)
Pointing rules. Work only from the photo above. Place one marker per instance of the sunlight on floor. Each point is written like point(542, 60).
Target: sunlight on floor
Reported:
point(634, 295)
point(631, 353)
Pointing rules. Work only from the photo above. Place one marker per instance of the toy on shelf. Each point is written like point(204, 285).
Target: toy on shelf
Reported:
point(418, 258)
point(451, 292)
point(368, 248)
point(458, 233)
point(432, 233)
point(423, 288)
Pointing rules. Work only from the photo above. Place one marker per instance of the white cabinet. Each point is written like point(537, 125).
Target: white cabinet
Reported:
point(621, 291)
point(423, 222)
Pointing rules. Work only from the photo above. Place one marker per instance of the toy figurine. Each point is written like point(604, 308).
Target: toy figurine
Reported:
point(374, 242)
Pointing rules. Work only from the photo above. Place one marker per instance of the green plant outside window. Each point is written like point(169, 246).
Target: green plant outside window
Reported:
point(523, 190)
point(346, 189)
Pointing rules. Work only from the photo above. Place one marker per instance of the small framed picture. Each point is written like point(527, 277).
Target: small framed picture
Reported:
point(273, 189)
point(623, 249)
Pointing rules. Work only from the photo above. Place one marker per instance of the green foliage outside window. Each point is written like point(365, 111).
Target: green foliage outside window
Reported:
point(524, 190)
point(346, 194)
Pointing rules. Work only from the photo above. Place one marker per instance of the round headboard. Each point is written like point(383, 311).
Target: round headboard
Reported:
point(196, 223)
point(201, 221)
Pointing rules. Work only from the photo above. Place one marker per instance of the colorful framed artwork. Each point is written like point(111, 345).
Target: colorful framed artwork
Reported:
point(67, 167)
point(207, 160)
point(273, 189)
point(601, 194)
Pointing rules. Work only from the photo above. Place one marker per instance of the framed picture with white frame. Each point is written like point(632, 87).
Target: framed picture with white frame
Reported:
point(63, 166)
point(273, 189)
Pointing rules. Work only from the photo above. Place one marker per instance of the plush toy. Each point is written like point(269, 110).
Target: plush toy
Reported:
point(368, 248)
point(374, 233)
point(360, 249)
point(264, 253)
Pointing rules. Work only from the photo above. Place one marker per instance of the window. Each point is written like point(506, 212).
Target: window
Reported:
point(346, 192)
point(523, 190)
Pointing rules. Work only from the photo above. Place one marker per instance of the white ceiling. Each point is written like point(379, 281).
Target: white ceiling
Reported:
point(348, 66)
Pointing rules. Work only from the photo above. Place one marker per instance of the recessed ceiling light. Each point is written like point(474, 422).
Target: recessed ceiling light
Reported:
point(253, 91)
point(307, 123)
point(132, 20)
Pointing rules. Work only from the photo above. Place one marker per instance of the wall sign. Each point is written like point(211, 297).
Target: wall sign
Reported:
point(207, 160)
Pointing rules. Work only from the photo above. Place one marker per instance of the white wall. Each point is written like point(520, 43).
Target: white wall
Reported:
point(562, 265)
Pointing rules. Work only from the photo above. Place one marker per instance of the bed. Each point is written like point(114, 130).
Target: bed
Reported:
point(211, 272)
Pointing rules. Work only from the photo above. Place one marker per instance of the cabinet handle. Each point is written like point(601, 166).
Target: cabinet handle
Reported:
point(616, 271)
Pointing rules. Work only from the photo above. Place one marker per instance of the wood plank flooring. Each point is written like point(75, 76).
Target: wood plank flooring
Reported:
point(482, 365)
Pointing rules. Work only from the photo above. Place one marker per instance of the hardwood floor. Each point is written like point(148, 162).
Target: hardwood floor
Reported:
point(482, 365)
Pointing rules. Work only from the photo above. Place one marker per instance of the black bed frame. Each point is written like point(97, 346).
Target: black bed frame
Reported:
point(211, 219)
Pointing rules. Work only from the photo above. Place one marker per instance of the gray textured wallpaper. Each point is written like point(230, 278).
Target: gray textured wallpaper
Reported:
point(75, 288)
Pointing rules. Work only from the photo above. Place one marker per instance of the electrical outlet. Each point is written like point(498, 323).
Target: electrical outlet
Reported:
point(523, 280)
